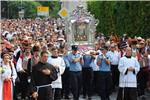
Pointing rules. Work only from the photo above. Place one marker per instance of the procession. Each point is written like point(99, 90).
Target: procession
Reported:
point(66, 58)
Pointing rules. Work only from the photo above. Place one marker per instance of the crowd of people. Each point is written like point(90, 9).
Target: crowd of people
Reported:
point(36, 64)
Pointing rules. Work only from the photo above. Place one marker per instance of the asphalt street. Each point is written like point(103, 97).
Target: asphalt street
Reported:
point(112, 97)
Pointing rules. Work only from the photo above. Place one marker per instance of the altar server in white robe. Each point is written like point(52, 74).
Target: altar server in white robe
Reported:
point(59, 64)
point(128, 68)
point(7, 77)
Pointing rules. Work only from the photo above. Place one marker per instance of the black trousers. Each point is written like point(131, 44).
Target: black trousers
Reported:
point(95, 82)
point(45, 93)
point(24, 85)
point(115, 76)
point(57, 93)
point(66, 83)
point(127, 94)
point(105, 81)
point(87, 76)
point(142, 81)
point(76, 80)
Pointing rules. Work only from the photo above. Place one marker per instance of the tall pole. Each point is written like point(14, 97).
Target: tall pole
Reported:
point(8, 9)
point(21, 8)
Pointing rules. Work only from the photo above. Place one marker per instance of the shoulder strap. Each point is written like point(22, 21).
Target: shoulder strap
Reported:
point(18, 55)
point(30, 65)
point(11, 68)
point(22, 57)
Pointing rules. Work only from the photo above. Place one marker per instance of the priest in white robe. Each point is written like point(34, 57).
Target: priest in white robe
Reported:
point(128, 68)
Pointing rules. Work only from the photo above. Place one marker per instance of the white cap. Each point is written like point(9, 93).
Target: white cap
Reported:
point(139, 38)
point(59, 39)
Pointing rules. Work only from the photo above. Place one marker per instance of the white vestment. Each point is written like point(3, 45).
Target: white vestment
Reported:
point(61, 68)
point(128, 78)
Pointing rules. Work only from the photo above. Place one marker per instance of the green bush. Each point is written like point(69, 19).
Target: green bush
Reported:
point(131, 17)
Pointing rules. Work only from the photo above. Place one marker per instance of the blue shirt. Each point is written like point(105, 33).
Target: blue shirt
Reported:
point(74, 66)
point(104, 66)
point(66, 61)
point(114, 57)
point(87, 60)
point(94, 65)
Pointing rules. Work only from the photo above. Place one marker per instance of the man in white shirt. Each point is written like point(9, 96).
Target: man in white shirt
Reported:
point(128, 68)
point(114, 58)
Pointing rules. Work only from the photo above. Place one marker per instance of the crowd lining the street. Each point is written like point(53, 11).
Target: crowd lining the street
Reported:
point(36, 64)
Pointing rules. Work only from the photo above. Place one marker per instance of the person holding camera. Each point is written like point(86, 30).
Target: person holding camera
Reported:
point(105, 78)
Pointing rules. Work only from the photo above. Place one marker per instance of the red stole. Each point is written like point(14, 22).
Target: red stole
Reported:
point(138, 56)
point(7, 90)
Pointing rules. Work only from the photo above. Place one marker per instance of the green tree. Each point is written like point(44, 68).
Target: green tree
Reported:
point(11, 8)
point(121, 17)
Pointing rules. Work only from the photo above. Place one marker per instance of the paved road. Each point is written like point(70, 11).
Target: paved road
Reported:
point(113, 97)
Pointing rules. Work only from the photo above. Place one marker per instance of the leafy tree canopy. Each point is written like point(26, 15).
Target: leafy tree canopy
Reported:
point(10, 9)
point(131, 17)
